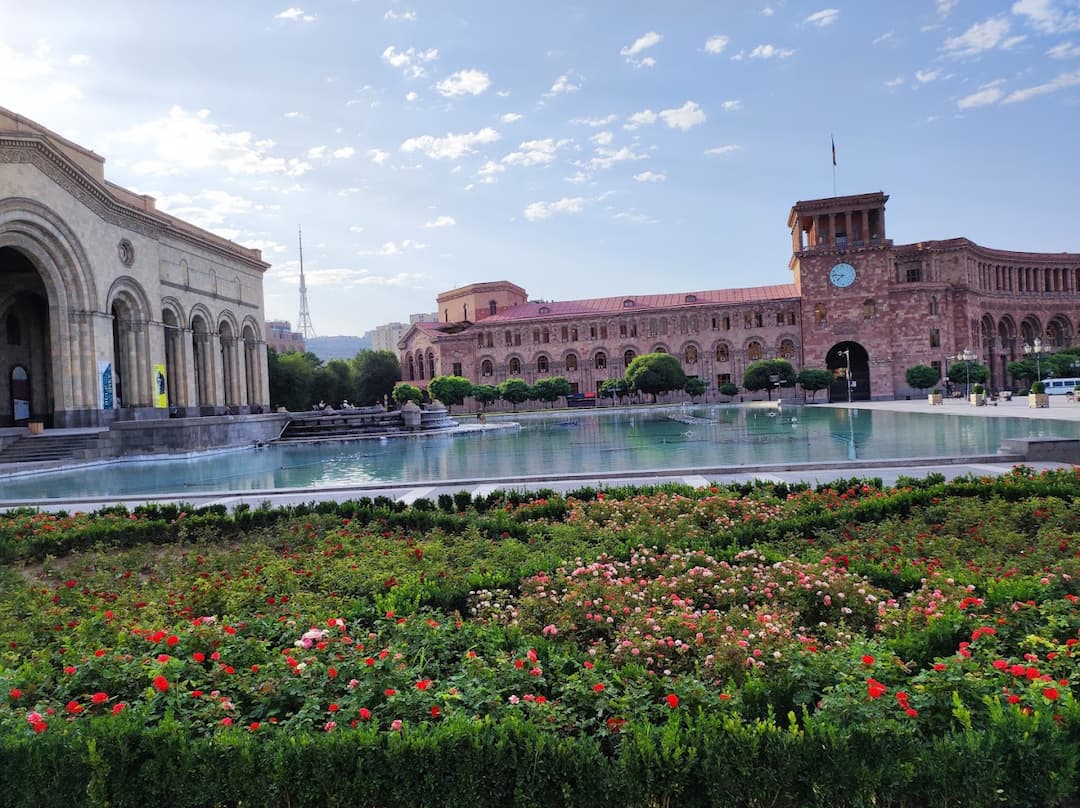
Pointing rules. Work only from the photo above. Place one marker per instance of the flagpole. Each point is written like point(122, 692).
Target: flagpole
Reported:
point(832, 140)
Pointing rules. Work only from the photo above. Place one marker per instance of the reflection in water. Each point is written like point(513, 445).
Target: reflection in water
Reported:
point(702, 437)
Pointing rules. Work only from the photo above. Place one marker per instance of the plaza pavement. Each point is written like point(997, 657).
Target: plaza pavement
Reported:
point(887, 470)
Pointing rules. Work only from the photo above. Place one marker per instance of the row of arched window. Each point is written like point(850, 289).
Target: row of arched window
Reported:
point(414, 368)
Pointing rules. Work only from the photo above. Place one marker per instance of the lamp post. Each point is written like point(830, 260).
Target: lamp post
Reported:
point(847, 379)
point(967, 357)
point(1037, 349)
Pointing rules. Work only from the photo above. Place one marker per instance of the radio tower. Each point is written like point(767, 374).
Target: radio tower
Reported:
point(304, 325)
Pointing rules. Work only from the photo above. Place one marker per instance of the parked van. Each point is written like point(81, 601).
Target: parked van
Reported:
point(1061, 387)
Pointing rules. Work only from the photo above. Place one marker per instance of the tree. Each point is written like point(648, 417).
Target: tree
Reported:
point(550, 390)
point(485, 394)
point(730, 390)
point(403, 391)
point(655, 373)
point(612, 388)
point(515, 391)
point(376, 374)
point(1063, 364)
point(1023, 371)
point(291, 376)
point(964, 372)
point(450, 390)
point(813, 379)
point(695, 387)
point(921, 377)
point(334, 382)
point(765, 374)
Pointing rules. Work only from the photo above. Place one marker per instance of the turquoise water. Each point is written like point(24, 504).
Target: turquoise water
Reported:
point(593, 442)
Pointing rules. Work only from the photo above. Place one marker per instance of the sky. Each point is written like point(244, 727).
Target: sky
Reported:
point(578, 149)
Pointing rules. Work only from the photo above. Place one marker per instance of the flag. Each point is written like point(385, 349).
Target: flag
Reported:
point(833, 149)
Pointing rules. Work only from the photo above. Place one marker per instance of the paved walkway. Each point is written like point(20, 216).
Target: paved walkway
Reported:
point(888, 470)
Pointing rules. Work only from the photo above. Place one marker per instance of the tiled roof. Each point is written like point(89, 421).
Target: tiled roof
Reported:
point(617, 305)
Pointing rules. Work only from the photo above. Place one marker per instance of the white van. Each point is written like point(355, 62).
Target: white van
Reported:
point(1061, 387)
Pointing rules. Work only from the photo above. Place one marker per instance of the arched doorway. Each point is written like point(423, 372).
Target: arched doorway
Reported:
point(200, 350)
point(20, 395)
point(25, 354)
point(842, 357)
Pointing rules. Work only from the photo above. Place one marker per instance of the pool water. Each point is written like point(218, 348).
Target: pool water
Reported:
point(592, 442)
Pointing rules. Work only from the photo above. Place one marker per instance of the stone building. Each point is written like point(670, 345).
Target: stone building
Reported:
point(112, 310)
point(858, 305)
point(281, 337)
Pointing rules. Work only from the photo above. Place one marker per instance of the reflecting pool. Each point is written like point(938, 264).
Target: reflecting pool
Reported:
point(565, 442)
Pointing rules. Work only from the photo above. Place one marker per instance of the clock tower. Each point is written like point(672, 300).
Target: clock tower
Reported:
point(843, 268)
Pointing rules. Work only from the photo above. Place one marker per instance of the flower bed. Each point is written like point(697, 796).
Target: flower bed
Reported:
point(746, 645)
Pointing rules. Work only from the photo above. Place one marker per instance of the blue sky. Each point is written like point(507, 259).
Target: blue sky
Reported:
point(578, 149)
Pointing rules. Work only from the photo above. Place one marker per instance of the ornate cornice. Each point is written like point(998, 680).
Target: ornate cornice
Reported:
point(36, 150)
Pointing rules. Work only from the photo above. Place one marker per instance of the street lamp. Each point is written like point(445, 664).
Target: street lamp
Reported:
point(967, 357)
point(1036, 349)
point(847, 379)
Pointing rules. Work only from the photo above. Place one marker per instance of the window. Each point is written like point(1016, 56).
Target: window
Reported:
point(787, 349)
point(573, 335)
point(517, 338)
point(663, 326)
point(933, 307)
point(514, 366)
point(628, 304)
point(935, 338)
point(14, 331)
point(565, 334)
point(545, 336)
point(628, 357)
point(791, 317)
point(747, 320)
point(536, 336)
point(869, 309)
point(690, 355)
point(754, 351)
point(431, 365)
point(723, 354)
point(779, 318)
point(487, 368)
point(542, 364)
point(509, 339)
point(489, 339)
point(571, 362)
point(819, 314)
point(457, 369)
point(420, 366)
point(601, 360)
point(544, 310)
point(492, 307)
point(715, 323)
point(913, 274)
point(691, 298)
point(727, 323)
point(633, 329)
point(592, 332)
point(412, 369)
point(603, 332)
point(622, 329)
point(480, 340)
point(759, 319)
point(722, 379)
point(936, 365)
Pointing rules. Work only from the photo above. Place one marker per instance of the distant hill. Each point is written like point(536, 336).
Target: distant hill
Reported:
point(327, 348)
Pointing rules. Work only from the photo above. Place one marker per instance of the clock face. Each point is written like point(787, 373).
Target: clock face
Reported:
point(842, 275)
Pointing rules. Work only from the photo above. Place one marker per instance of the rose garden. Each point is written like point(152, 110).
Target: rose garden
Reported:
point(740, 645)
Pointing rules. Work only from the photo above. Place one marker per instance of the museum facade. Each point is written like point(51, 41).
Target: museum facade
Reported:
point(110, 309)
point(859, 305)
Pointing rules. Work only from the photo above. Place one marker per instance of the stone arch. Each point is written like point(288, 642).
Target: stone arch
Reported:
point(487, 367)
point(1030, 328)
point(254, 372)
point(691, 353)
point(754, 350)
point(838, 359)
point(660, 347)
point(1059, 332)
point(431, 363)
point(202, 345)
point(65, 378)
point(570, 362)
point(543, 364)
point(228, 347)
point(628, 356)
point(129, 306)
point(785, 349)
point(722, 352)
point(411, 368)
point(600, 360)
point(420, 364)
point(513, 365)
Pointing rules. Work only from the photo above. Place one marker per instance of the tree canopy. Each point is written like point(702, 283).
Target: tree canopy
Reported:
point(695, 387)
point(921, 377)
point(403, 391)
point(376, 374)
point(450, 390)
point(655, 373)
point(765, 374)
point(964, 372)
point(515, 391)
point(813, 379)
point(550, 390)
point(485, 394)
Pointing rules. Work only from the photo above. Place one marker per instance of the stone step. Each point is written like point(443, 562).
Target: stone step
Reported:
point(38, 448)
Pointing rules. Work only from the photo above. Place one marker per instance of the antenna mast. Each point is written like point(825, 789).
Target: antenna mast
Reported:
point(304, 325)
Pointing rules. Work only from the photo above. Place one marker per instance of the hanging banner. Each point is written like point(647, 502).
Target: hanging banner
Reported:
point(161, 395)
point(105, 373)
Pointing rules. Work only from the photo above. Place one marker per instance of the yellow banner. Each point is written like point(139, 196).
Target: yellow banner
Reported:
point(161, 393)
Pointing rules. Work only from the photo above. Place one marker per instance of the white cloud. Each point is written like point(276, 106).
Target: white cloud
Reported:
point(895, 82)
point(536, 211)
point(826, 16)
point(292, 114)
point(606, 158)
point(635, 217)
point(731, 106)
point(30, 82)
point(987, 94)
point(765, 52)
point(452, 146)
point(411, 96)
point(344, 153)
point(602, 138)
point(78, 59)
point(767, 12)
point(464, 82)
point(1064, 50)
point(488, 171)
point(685, 117)
point(643, 118)
point(1049, 17)
point(945, 6)
point(404, 16)
point(595, 122)
point(295, 14)
point(716, 44)
point(316, 152)
point(182, 141)
point(883, 38)
point(649, 176)
point(565, 84)
point(577, 178)
point(980, 37)
point(356, 228)
point(390, 248)
point(642, 43)
point(441, 221)
point(722, 150)
point(533, 152)
point(926, 76)
point(511, 117)
point(411, 61)
point(1061, 82)
point(378, 156)
point(208, 209)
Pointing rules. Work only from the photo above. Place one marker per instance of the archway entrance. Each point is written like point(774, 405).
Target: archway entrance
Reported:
point(25, 355)
point(841, 358)
point(20, 395)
